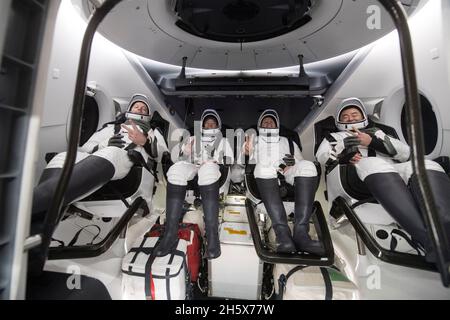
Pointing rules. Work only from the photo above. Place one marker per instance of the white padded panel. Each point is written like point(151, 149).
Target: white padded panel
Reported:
point(147, 28)
point(371, 213)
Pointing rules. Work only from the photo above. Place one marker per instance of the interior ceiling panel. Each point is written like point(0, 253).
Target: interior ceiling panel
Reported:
point(243, 34)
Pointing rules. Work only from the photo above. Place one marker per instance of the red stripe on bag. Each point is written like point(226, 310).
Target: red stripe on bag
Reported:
point(152, 288)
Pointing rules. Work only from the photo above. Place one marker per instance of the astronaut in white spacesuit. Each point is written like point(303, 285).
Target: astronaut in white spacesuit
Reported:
point(103, 157)
point(382, 163)
point(199, 156)
point(274, 155)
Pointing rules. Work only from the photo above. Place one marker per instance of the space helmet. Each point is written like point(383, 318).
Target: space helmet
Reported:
point(267, 134)
point(354, 103)
point(141, 120)
point(210, 135)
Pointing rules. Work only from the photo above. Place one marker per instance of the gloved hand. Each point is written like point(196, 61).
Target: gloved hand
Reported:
point(289, 160)
point(347, 155)
point(116, 141)
point(351, 141)
point(350, 149)
point(347, 143)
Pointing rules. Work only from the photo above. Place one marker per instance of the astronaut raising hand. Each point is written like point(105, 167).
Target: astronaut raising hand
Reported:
point(200, 156)
point(273, 156)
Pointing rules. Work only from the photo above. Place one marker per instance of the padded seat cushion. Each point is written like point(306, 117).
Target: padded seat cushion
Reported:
point(371, 213)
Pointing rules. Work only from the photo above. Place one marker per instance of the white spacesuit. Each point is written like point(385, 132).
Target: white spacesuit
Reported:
point(202, 156)
point(102, 158)
point(199, 156)
point(270, 150)
point(274, 155)
point(384, 154)
point(384, 167)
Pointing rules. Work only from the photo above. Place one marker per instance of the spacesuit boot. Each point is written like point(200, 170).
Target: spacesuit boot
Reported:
point(392, 193)
point(38, 217)
point(440, 188)
point(49, 173)
point(174, 206)
point(210, 201)
point(270, 195)
point(305, 190)
point(87, 175)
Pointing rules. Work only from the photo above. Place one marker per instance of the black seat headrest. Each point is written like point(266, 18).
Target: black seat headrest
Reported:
point(162, 124)
point(322, 129)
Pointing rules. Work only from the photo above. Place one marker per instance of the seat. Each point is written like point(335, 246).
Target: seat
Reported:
point(112, 206)
point(91, 224)
point(286, 190)
point(115, 197)
point(343, 180)
point(344, 175)
point(349, 196)
point(288, 197)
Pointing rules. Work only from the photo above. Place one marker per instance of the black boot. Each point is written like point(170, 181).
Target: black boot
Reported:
point(210, 201)
point(393, 194)
point(87, 175)
point(38, 217)
point(270, 195)
point(50, 173)
point(305, 191)
point(440, 188)
point(174, 208)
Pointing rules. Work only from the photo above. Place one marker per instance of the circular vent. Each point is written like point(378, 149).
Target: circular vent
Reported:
point(241, 20)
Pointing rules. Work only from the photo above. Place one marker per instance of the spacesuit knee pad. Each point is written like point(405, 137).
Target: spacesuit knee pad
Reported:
point(372, 165)
point(60, 158)
point(406, 169)
point(265, 172)
point(208, 174)
point(305, 168)
point(177, 175)
point(432, 165)
point(57, 161)
point(119, 159)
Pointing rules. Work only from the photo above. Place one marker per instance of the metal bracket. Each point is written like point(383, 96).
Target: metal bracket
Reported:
point(32, 242)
